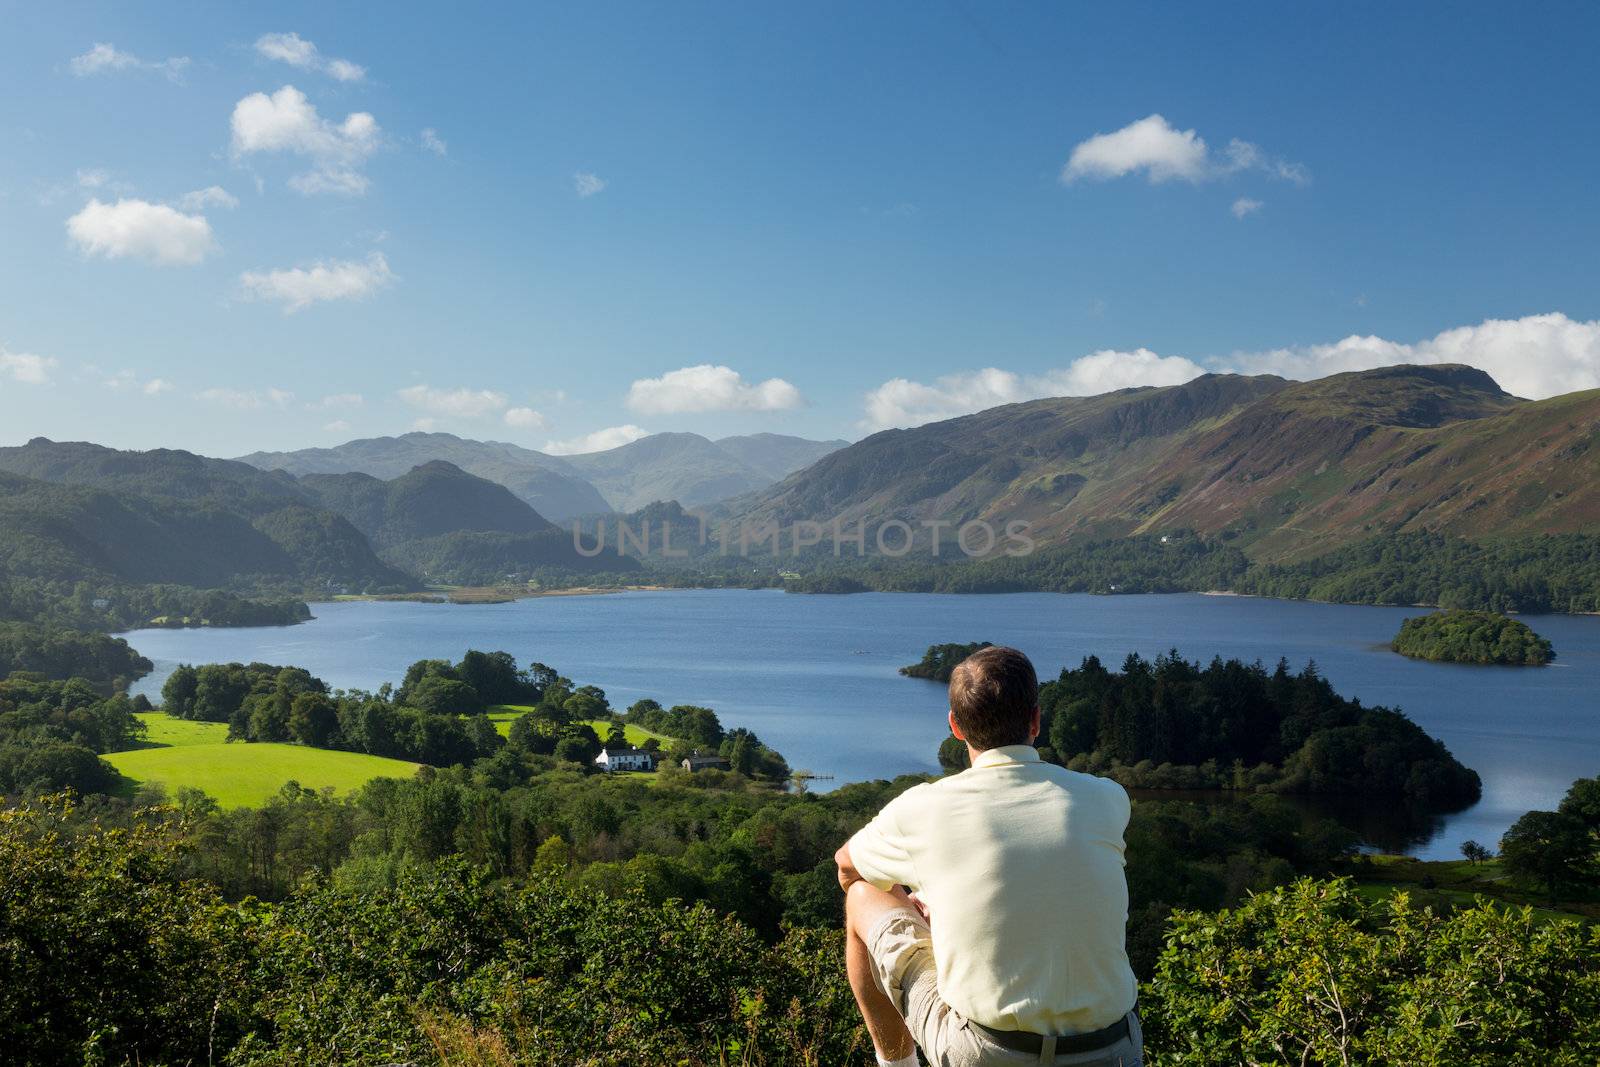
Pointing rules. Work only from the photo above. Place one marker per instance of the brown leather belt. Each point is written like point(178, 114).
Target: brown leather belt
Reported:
point(1033, 1044)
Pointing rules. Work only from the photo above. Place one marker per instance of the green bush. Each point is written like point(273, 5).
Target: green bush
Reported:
point(1315, 973)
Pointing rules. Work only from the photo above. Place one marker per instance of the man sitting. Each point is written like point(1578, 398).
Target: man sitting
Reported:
point(985, 912)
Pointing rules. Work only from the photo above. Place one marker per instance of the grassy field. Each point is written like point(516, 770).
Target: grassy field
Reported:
point(179, 753)
point(503, 715)
point(1459, 883)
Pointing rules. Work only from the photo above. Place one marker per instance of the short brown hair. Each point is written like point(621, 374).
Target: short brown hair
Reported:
point(992, 694)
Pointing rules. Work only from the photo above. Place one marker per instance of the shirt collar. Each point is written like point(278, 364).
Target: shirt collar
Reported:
point(999, 757)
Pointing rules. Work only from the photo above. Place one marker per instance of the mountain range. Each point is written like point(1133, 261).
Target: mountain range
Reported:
point(685, 467)
point(73, 510)
point(1283, 469)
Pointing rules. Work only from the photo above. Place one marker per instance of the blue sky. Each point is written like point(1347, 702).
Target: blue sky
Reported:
point(812, 219)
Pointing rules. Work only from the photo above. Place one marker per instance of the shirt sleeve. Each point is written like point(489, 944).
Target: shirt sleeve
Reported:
point(880, 852)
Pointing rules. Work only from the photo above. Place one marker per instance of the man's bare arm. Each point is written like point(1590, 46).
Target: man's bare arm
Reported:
point(848, 875)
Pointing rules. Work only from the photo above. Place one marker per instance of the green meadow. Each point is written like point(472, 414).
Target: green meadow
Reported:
point(179, 753)
point(503, 715)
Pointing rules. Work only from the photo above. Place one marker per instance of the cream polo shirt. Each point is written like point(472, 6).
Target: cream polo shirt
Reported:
point(1021, 865)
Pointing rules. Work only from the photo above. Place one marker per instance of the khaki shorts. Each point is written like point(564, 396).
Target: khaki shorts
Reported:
point(901, 946)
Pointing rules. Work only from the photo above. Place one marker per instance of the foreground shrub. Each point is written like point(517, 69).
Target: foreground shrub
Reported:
point(1315, 973)
point(106, 955)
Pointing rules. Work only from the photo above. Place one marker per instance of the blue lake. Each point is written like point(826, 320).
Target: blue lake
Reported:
point(816, 677)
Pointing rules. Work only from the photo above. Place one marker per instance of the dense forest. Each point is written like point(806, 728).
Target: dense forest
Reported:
point(53, 732)
point(55, 652)
point(1173, 724)
point(937, 663)
point(1459, 636)
point(1558, 573)
point(494, 915)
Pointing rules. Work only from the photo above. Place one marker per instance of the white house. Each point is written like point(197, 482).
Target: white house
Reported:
point(617, 758)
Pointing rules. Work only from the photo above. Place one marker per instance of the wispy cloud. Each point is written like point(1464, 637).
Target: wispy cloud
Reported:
point(298, 52)
point(709, 387)
point(247, 399)
point(210, 196)
point(128, 381)
point(461, 403)
point(431, 141)
point(337, 402)
point(1245, 206)
point(108, 59)
point(26, 367)
point(587, 185)
point(297, 288)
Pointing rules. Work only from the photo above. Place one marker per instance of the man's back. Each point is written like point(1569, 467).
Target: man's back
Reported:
point(1021, 866)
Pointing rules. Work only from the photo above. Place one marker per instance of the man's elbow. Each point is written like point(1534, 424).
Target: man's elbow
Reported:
point(847, 868)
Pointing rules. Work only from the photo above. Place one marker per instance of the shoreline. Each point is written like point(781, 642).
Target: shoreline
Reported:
point(485, 594)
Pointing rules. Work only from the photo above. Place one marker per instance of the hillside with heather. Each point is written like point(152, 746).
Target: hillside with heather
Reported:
point(1283, 470)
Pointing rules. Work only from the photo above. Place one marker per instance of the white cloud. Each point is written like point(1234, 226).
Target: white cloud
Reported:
point(297, 288)
point(25, 367)
point(425, 424)
point(137, 228)
point(710, 388)
point(902, 402)
point(338, 402)
point(336, 426)
point(586, 184)
point(296, 51)
point(1536, 356)
point(432, 142)
point(456, 403)
point(1163, 152)
point(287, 122)
point(599, 441)
point(1245, 206)
point(107, 59)
point(524, 419)
point(247, 399)
point(128, 380)
point(211, 195)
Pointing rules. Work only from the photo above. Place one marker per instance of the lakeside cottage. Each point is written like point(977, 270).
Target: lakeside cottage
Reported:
point(629, 758)
point(698, 762)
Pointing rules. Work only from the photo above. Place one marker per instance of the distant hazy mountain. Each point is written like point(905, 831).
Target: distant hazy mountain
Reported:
point(546, 483)
point(1284, 469)
point(670, 466)
point(691, 469)
point(777, 455)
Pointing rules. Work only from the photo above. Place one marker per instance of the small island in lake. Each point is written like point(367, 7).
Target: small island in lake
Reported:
point(940, 660)
point(1458, 636)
